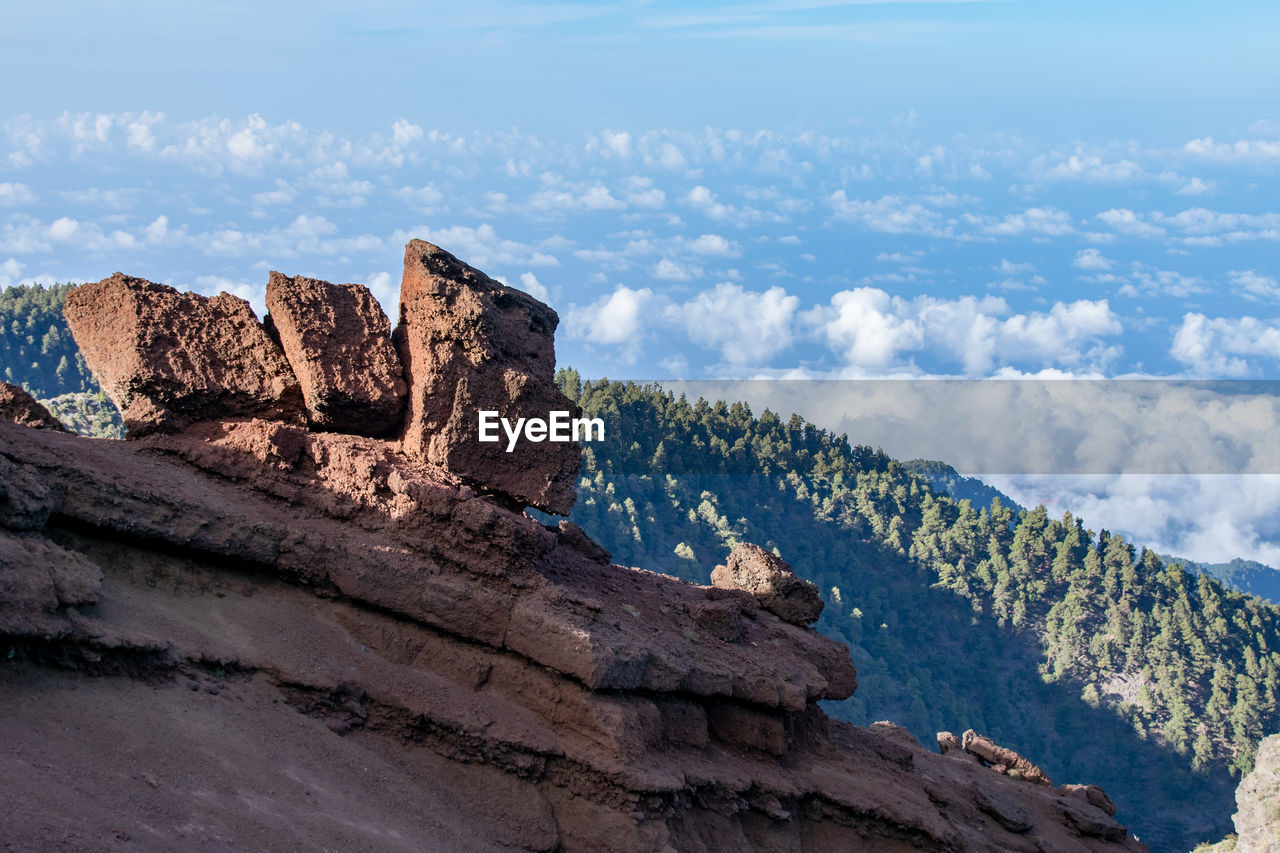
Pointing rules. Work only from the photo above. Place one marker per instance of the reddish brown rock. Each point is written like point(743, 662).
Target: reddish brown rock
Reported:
point(338, 342)
point(998, 756)
point(770, 580)
point(19, 407)
point(470, 343)
point(169, 359)
point(1093, 795)
point(268, 603)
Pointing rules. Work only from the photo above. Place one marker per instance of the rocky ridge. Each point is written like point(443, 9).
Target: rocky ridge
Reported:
point(240, 628)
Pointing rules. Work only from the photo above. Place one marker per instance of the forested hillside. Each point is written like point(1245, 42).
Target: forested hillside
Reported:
point(1098, 660)
point(38, 353)
point(36, 348)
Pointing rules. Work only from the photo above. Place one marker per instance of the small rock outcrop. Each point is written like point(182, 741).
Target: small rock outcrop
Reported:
point(771, 580)
point(19, 407)
point(1003, 760)
point(169, 359)
point(1257, 816)
point(470, 343)
point(338, 342)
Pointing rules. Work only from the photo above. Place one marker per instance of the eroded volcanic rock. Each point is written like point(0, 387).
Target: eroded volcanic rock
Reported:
point(19, 407)
point(239, 632)
point(338, 342)
point(470, 343)
point(169, 359)
point(276, 603)
point(1004, 759)
point(770, 579)
point(1257, 817)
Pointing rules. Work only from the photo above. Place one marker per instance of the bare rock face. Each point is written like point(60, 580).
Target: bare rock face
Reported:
point(1257, 816)
point(338, 342)
point(169, 359)
point(470, 343)
point(19, 407)
point(377, 658)
point(1004, 760)
point(771, 580)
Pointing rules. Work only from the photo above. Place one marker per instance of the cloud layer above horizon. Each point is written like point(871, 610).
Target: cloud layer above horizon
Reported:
point(893, 251)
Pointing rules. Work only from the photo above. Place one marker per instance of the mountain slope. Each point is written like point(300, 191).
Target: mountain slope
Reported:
point(1069, 646)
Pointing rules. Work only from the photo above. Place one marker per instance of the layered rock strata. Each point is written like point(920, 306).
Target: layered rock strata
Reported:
point(248, 633)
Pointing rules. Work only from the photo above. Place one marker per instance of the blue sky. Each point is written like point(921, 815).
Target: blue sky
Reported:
point(718, 189)
point(700, 189)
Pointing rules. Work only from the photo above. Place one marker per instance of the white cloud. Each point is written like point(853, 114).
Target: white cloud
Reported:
point(1254, 285)
point(386, 290)
point(281, 195)
point(747, 328)
point(10, 271)
point(63, 229)
point(1221, 346)
point(529, 284)
point(1146, 280)
point(891, 214)
point(1092, 260)
point(702, 198)
point(873, 330)
point(158, 230)
point(617, 320)
point(611, 143)
point(1043, 221)
point(714, 245)
point(424, 199)
point(1241, 151)
point(1092, 168)
point(1008, 267)
point(1126, 221)
point(1196, 186)
point(669, 270)
point(11, 193)
point(558, 198)
point(405, 133)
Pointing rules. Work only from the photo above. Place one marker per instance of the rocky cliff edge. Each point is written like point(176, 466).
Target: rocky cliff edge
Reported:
point(254, 626)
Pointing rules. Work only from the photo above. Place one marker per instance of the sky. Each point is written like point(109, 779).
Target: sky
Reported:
point(701, 190)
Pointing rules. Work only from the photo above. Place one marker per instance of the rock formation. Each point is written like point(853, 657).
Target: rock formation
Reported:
point(1257, 816)
point(246, 633)
point(169, 359)
point(338, 342)
point(1004, 760)
point(771, 581)
point(470, 343)
point(19, 407)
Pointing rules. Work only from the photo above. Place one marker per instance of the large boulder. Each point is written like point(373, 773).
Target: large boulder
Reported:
point(770, 579)
point(338, 341)
point(19, 407)
point(469, 343)
point(169, 359)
